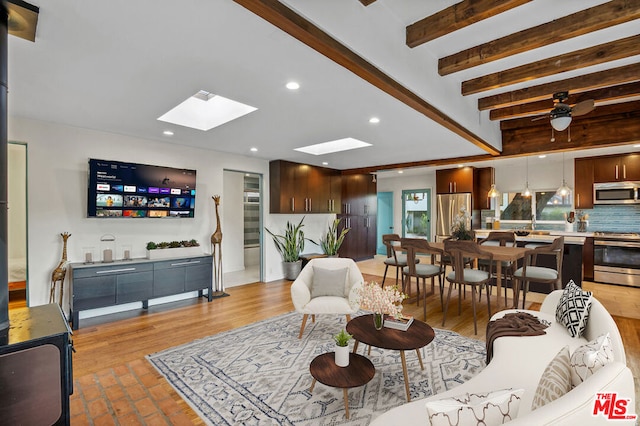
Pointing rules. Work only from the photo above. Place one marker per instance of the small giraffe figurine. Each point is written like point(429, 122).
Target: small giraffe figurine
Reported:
point(216, 251)
point(60, 272)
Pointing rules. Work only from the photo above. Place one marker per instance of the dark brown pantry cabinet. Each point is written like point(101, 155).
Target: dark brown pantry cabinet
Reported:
point(359, 210)
point(450, 181)
point(583, 183)
point(302, 188)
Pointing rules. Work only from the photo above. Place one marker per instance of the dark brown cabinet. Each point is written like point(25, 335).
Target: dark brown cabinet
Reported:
point(301, 188)
point(359, 209)
point(616, 168)
point(583, 183)
point(483, 179)
point(456, 180)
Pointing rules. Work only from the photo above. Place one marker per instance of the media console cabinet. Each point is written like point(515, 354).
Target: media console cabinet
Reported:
point(100, 285)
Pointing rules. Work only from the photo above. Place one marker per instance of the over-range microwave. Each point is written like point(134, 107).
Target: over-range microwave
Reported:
point(616, 193)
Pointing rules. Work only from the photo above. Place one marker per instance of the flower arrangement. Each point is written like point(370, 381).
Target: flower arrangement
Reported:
point(387, 300)
point(459, 230)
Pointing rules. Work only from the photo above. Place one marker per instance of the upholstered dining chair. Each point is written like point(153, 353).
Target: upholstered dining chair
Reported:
point(395, 259)
point(530, 270)
point(461, 251)
point(415, 246)
point(504, 239)
point(327, 286)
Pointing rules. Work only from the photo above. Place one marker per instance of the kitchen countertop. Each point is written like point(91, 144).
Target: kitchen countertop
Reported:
point(548, 236)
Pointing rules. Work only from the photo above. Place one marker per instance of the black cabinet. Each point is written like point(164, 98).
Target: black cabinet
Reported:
point(36, 368)
point(100, 285)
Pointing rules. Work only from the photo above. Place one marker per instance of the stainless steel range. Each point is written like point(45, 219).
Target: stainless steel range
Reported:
point(617, 258)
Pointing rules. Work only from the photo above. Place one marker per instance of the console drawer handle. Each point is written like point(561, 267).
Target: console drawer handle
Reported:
point(113, 271)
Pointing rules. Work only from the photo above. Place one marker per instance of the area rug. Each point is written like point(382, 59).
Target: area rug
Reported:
point(259, 374)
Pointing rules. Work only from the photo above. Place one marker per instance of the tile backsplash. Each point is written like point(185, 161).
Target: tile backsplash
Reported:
point(616, 218)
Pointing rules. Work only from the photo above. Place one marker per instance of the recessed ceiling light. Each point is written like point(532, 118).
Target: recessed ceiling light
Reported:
point(254, 149)
point(460, 166)
point(542, 156)
point(292, 85)
point(401, 171)
point(167, 133)
point(637, 145)
point(324, 163)
point(374, 120)
point(333, 146)
point(204, 111)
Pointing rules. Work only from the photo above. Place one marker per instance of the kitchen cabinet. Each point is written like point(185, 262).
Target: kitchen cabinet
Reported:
point(583, 183)
point(359, 209)
point(615, 168)
point(101, 285)
point(483, 179)
point(456, 180)
point(302, 188)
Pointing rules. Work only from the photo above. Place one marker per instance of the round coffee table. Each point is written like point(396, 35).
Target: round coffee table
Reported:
point(418, 335)
point(358, 373)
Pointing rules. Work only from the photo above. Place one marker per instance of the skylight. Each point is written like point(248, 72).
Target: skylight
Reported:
point(333, 146)
point(204, 111)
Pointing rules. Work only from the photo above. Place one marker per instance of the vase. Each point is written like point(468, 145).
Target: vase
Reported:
point(292, 269)
point(342, 356)
point(378, 320)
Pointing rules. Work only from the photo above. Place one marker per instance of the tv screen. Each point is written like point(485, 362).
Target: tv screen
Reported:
point(118, 189)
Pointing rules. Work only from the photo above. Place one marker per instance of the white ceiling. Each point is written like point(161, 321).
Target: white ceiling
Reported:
point(117, 66)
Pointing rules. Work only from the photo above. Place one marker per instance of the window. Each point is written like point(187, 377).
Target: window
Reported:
point(547, 206)
point(415, 206)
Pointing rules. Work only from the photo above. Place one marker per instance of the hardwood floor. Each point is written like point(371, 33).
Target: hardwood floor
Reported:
point(115, 340)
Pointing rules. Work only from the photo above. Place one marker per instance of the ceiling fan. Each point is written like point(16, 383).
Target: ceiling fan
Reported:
point(561, 113)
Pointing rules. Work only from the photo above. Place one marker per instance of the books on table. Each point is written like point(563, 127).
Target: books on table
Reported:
point(402, 323)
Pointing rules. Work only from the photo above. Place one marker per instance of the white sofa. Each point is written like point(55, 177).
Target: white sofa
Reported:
point(518, 362)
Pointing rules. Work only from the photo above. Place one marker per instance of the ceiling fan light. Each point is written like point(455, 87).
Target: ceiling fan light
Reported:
point(560, 123)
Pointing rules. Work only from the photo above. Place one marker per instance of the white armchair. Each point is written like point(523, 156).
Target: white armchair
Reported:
point(327, 286)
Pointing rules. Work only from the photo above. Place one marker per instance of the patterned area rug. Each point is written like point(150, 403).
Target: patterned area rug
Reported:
point(259, 374)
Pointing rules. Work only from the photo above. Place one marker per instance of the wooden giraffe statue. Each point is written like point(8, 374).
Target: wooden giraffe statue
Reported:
point(60, 272)
point(216, 251)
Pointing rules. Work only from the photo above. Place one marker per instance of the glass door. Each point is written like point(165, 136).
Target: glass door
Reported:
point(416, 213)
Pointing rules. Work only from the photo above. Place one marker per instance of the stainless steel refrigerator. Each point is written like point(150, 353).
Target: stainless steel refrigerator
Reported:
point(449, 206)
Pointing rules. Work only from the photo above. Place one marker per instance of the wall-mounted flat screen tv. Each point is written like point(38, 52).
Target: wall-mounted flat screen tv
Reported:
point(119, 189)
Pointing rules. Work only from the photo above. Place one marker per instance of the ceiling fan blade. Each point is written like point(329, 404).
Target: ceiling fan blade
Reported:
point(582, 108)
point(540, 117)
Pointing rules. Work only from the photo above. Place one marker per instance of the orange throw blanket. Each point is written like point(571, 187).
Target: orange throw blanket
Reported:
point(513, 324)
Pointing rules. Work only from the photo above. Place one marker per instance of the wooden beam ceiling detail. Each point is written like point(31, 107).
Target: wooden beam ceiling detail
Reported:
point(593, 19)
point(623, 74)
point(455, 17)
point(606, 52)
point(598, 95)
point(305, 31)
point(367, 2)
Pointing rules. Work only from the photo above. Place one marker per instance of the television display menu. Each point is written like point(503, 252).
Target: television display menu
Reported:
point(118, 189)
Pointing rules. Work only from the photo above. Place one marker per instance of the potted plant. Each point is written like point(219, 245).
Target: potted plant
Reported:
point(290, 245)
point(169, 249)
point(332, 241)
point(342, 348)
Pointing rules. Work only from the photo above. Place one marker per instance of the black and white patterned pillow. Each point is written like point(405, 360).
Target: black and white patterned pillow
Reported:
point(573, 309)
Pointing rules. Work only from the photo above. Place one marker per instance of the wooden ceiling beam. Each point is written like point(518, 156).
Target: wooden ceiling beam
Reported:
point(594, 55)
point(593, 19)
point(586, 133)
point(455, 17)
point(424, 163)
point(580, 83)
point(598, 95)
point(305, 31)
point(367, 2)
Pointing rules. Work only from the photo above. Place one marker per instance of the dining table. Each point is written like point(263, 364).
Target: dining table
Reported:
point(500, 254)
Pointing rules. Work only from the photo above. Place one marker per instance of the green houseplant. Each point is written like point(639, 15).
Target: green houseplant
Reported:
point(332, 240)
point(290, 245)
point(342, 348)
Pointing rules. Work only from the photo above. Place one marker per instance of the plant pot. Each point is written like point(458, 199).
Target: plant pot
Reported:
point(342, 356)
point(168, 253)
point(292, 269)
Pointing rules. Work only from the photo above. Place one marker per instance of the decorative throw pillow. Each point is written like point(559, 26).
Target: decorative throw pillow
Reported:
point(555, 380)
point(573, 309)
point(328, 282)
point(492, 408)
point(589, 358)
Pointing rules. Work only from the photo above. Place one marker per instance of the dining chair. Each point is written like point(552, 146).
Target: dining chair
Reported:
point(530, 270)
point(461, 251)
point(415, 246)
point(504, 239)
point(395, 259)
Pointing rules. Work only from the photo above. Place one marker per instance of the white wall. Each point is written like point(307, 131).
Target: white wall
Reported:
point(232, 209)
point(17, 198)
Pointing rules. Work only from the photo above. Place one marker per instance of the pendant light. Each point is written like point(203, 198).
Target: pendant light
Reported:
point(527, 191)
point(564, 190)
point(493, 191)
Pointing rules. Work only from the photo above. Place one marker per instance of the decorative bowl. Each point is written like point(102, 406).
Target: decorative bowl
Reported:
point(522, 233)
